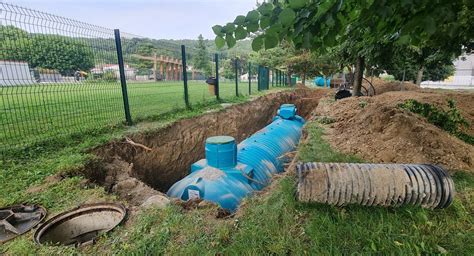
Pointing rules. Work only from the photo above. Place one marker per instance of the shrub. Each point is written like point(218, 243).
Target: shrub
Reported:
point(109, 76)
point(451, 120)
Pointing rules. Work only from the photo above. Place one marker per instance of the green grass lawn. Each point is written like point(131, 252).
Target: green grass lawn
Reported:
point(33, 114)
point(269, 223)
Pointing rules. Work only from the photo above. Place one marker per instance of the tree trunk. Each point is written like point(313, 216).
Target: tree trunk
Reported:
point(304, 78)
point(358, 75)
point(419, 75)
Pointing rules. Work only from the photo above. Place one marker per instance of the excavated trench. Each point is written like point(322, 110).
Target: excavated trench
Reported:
point(135, 173)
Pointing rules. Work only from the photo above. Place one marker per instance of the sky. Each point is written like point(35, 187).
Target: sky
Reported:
point(158, 19)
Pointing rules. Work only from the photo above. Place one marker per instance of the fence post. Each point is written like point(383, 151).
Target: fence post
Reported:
point(403, 81)
point(279, 78)
point(250, 78)
point(273, 78)
point(123, 80)
point(216, 88)
point(282, 78)
point(258, 77)
point(288, 78)
point(236, 78)
point(276, 77)
point(185, 75)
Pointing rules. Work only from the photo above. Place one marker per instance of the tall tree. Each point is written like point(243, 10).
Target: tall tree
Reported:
point(202, 61)
point(63, 54)
point(319, 25)
point(60, 53)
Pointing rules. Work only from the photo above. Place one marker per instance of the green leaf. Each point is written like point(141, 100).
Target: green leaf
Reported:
point(252, 27)
point(264, 22)
point(257, 43)
point(252, 16)
point(430, 25)
point(230, 40)
point(240, 33)
point(307, 37)
point(330, 39)
point(324, 7)
point(265, 8)
point(239, 20)
point(220, 42)
point(218, 30)
point(297, 4)
point(275, 28)
point(287, 17)
point(405, 39)
point(330, 21)
point(229, 28)
point(271, 40)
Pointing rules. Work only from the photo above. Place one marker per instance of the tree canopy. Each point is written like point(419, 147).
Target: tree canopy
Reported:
point(201, 60)
point(64, 54)
point(355, 28)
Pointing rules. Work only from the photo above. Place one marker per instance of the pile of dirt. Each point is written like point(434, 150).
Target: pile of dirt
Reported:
point(161, 157)
point(376, 129)
point(381, 86)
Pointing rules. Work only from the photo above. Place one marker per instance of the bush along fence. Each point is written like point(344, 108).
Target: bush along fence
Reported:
point(62, 78)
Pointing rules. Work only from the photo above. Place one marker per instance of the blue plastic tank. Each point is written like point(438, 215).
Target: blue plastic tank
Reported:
point(319, 81)
point(230, 172)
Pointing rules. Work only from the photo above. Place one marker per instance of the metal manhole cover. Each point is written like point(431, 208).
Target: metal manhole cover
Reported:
point(81, 225)
point(19, 219)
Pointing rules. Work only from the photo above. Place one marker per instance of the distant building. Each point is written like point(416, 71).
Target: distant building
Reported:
point(245, 77)
point(130, 73)
point(15, 73)
point(463, 77)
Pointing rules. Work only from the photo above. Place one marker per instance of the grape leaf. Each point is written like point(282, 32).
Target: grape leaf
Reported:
point(218, 30)
point(239, 20)
point(287, 16)
point(257, 43)
point(271, 40)
point(297, 4)
point(220, 42)
point(240, 33)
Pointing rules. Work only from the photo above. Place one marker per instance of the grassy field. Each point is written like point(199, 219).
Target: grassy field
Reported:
point(270, 223)
point(33, 114)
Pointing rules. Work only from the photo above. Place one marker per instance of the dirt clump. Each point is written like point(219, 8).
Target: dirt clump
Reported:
point(381, 86)
point(116, 177)
point(379, 131)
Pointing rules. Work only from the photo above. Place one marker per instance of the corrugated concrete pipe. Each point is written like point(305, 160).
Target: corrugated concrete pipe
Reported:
point(393, 185)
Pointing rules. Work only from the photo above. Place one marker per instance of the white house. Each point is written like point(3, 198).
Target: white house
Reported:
point(463, 77)
point(245, 77)
point(130, 73)
point(15, 73)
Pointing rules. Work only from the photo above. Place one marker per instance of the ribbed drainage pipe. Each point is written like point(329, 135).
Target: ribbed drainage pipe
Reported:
point(428, 186)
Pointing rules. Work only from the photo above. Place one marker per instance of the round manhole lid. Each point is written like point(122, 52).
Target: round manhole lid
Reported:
point(81, 225)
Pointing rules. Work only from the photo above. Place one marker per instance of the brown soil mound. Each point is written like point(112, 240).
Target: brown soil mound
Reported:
point(379, 131)
point(381, 86)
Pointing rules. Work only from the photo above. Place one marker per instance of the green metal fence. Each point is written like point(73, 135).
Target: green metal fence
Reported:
point(61, 78)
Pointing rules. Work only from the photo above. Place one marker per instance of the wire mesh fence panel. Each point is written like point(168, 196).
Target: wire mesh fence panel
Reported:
point(201, 70)
point(57, 77)
point(153, 69)
point(227, 88)
point(200, 92)
point(61, 78)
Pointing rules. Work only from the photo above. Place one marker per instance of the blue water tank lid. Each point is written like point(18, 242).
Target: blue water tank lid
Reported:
point(220, 140)
point(287, 111)
point(221, 151)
